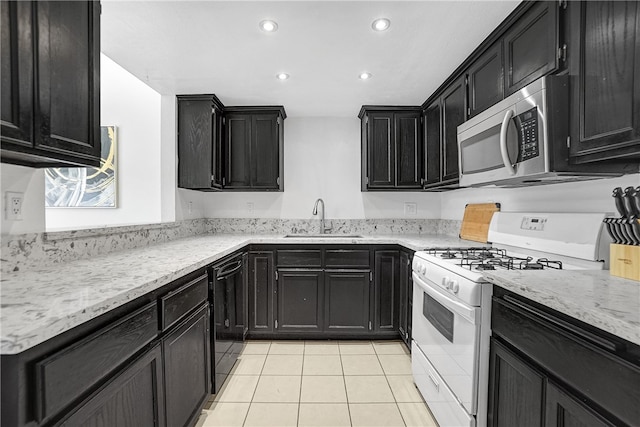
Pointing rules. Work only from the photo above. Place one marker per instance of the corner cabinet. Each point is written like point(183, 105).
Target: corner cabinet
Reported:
point(50, 114)
point(254, 148)
point(391, 148)
point(200, 135)
point(229, 148)
point(604, 55)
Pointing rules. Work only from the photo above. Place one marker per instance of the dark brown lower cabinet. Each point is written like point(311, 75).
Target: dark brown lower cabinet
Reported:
point(549, 369)
point(132, 398)
point(564, 410)
point(516, 390)
point(347, 301)
point(406, 297)
point(386, 297)
point(186, 368)
point(261, 280)
point(300, 294)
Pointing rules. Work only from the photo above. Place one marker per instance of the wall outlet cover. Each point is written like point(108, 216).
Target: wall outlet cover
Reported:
point(13, 206)
point(410, 208)
point(250, 208)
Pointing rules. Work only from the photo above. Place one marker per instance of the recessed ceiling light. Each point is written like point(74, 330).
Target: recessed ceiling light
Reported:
point(268, 26)
point(381, 24)
point(282, 76)
point(365, 76)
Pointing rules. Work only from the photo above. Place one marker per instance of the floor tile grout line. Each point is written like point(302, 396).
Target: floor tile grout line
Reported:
point(304, 352)
point(256, 389)
point(344, 384)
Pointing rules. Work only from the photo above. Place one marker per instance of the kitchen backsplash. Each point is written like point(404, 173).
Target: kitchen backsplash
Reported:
point(20, 252)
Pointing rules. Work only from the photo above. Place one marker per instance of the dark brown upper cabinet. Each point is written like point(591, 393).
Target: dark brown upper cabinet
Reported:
point(200, 136)
point(50, 83)
point(603, 50)
point(531, 47)
point(254, 143)
point(485, 79)
point(391, 148)
point(442, 118)
point(229, 148)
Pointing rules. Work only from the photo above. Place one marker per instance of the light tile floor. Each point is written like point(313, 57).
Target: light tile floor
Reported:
point(319, 383)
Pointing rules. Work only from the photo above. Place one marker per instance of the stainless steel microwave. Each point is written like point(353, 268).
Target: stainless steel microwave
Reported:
point(522, 140)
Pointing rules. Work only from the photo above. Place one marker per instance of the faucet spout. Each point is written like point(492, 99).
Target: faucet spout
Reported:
point(323, 229)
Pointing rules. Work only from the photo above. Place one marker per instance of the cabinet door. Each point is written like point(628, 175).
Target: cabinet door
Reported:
point(530, 46)
point(300, 300)
point(238, 151)
point(68, 96)
point(187, 362)
point(264, 151)
point(485, 80)
point(347, 301)
point(196, 143)
point(386, 298)
point(17, 73)
point(453, 115)
point(603, 49)
point(380, 134)
point(564, 410)
point(406, 293)
point(133, 398)
point(408, 143)
point(432, 143)
point(261, 277)
point(515, 390)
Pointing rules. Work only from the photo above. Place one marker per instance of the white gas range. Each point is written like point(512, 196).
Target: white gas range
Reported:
point(452, 300)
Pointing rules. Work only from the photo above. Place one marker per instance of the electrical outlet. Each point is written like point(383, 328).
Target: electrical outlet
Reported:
point(13, 206)
point(410, 208)
point(250, 208)
point(190, 207)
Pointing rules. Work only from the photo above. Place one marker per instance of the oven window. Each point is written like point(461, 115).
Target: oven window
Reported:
point(438, 315)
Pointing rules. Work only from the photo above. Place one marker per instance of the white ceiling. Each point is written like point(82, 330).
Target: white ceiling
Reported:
point(182, 47)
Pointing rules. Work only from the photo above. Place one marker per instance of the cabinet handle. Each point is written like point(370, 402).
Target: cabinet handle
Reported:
point(276, 323)
point(433, 380)
point(567, 327)
point(369, 324)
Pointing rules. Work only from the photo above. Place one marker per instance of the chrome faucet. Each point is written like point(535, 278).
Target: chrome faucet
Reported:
point(323, 230)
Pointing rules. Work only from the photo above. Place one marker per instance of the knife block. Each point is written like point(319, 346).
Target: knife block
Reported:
point(624, 261)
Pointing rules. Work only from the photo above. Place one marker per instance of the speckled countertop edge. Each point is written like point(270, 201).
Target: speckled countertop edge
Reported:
point(39, 304)
point(595, 297)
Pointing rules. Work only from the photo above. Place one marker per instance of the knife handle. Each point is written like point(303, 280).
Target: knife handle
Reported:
point(630, 203)
point(636, 199)
point(617, 196)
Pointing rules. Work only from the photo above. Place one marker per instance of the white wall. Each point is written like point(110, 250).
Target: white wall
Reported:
point(30, 182)
point(587, 196)
point(321, 159)
point(134, 108)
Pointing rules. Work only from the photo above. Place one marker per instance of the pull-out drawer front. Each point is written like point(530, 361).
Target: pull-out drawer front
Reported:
point(307, 258)
point(177, 304)
point(69, 373)
point(608, 380)
point(347, 258)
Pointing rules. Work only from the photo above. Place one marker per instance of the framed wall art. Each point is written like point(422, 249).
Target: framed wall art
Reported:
point(85, 187)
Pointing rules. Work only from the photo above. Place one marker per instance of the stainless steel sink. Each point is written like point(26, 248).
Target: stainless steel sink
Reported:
point(325, 236)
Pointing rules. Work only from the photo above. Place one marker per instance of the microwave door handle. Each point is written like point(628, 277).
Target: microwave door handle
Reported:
point(503, 142)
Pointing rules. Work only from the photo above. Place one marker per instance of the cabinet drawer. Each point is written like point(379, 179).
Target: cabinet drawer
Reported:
point(69, 373)
point(569, 353)
point(347, 258)
point(178, 303)
point(299, 258)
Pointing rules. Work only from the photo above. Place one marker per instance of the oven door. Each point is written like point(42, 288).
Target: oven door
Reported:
point(448, 333)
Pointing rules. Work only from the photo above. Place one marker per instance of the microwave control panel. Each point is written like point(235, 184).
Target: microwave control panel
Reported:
point(529, 139)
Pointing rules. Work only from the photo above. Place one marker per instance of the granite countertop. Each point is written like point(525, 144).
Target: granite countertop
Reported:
point(595, 297)
point(39, 304)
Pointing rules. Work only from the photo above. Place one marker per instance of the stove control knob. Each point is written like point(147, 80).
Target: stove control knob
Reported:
point(455, 286)
point(445, 282)
point(424, 269)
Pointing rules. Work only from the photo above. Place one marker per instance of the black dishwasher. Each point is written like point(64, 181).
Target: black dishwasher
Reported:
point(229, 321)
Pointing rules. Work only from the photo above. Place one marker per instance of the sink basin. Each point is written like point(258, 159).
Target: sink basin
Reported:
point(325, 236)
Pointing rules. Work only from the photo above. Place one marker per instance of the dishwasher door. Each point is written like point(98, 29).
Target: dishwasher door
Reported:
point(229, 313)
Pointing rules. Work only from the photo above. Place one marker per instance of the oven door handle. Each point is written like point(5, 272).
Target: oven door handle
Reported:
point(503, 142)
point(468, 312)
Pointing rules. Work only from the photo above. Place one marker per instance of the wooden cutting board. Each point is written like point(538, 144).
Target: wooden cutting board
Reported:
point(475, 223)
